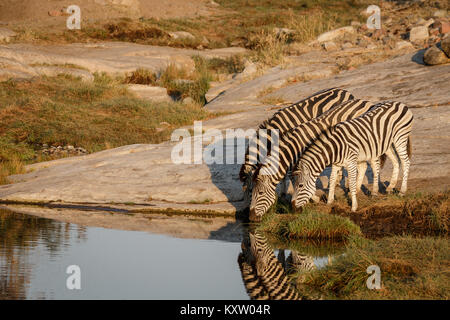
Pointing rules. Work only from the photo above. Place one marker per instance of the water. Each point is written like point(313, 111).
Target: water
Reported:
point(35, 253)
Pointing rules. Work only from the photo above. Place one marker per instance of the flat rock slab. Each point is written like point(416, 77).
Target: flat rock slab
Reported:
point(109, 57)
point(145, 175)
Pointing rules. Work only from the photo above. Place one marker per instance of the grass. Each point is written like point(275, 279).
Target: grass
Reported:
point(309, 225)
point(411, 268)
point(182, 83)
point(407, 237)
point(65, 110)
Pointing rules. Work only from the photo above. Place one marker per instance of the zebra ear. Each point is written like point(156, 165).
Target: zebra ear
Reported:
point(256, 173)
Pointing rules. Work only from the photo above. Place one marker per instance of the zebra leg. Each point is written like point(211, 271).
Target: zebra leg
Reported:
point(395, 170)
point(362, 168)
point(352, 169)
point(375, 164)
point(405, 162)
point(332, 183)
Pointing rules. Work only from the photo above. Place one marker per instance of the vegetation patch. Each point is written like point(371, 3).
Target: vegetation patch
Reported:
point(182, 83)
point(411, 268)
point(63, 110)
point(309, 225)
point(417, 213)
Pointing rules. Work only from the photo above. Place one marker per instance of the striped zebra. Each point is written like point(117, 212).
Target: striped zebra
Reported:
point(384, 129)
point(267, 176)
point(262, 273)
point(297, 261)
point(284, 120)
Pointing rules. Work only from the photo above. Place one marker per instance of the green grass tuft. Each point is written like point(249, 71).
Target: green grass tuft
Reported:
point(309, 225)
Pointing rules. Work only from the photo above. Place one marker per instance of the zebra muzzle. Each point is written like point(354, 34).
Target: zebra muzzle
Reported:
point(296, 209)
point(253, 216)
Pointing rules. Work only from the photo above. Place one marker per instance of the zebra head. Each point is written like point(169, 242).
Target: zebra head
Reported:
point(263, 193)
point(304, 185)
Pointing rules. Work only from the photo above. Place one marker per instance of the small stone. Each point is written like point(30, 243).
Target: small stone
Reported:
point(403, 45)
point(440, 13)
point(445, 27)
point(434, 56)
point(445, 45)
point(347, 45)
point(417, 34)
point(372, 46)
point(329, 46)
point(188, 100)
point(333, 34)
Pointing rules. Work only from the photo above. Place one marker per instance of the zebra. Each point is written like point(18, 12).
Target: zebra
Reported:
point(267, 176)
point(262, 273)
point(284, 120)
point(297, 261)
point(384, 129)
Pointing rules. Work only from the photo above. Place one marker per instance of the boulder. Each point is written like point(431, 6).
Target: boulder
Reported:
point(434, 56)
point(418, 34)
point(156, 94)
point(330, 46)
point(445, 45)
point(445, 27)
point(337, 33)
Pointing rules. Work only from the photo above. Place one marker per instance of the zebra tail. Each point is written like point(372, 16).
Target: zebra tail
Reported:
point(409, 147)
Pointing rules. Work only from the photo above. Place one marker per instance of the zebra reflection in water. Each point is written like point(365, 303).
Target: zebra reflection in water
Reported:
point(265, 276)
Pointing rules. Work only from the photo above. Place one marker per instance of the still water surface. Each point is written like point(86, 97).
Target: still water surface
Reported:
point(35, 253)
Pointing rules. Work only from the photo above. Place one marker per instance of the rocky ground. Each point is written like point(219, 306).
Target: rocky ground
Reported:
point(398, 62)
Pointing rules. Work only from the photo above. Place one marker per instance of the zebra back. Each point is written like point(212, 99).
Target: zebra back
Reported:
point(371, 133)
point(293, 142)
point(286, 119)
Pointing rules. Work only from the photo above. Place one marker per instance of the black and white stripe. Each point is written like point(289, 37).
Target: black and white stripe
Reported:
point(267, 176)
point(262, 273)
point(384, 129)
point(284, 120)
